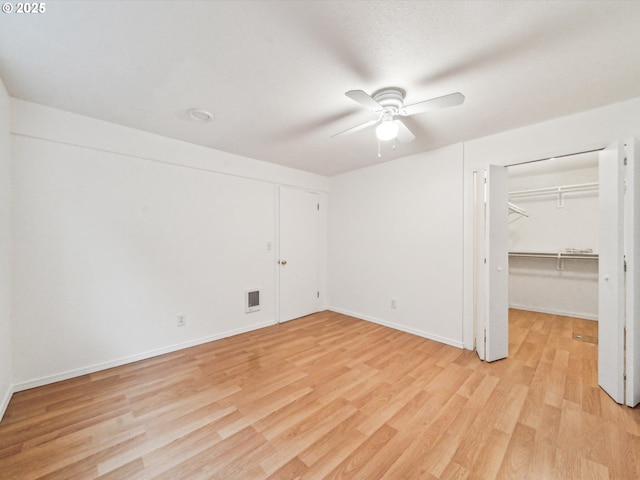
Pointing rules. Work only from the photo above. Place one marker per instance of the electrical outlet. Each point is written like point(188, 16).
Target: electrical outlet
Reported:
point(182, 321)
point(393, 303)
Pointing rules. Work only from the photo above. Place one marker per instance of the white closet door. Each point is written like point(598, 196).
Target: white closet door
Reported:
point(497, 264)
point(632, 245)
point(479, 284)
point(298, 253)
point(611, 299)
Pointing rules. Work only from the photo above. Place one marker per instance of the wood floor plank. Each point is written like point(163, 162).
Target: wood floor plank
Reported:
point(542, 461)
point(303, 434)
point(441, 455)
point(517, 459)
point(510, 412)
point(491, 454)
point(292, 470)
point(351, 466)
point(330, 396)
point(477, 435)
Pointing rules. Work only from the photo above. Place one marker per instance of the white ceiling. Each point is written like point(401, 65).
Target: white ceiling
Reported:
point(274, 73)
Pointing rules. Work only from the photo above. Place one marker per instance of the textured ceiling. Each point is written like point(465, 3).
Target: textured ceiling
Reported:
point(274, 73)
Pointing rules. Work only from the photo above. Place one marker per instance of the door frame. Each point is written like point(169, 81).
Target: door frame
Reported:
point(630, 300)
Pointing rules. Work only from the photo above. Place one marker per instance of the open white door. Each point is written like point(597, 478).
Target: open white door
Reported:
point(491, 263)
point(632, 276)
point(497, 263)
point(611, 299)
point(479, 288)
point(298, 253)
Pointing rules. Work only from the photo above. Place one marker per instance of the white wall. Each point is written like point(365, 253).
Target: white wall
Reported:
point(576, 133)
point(395, 231)
point(536, 284)
point(5, 256)
point(116, 232)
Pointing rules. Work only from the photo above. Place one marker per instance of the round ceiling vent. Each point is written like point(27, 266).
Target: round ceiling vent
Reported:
point(200, 115)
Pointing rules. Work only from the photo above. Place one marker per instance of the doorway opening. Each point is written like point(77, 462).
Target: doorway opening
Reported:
point(554, 234)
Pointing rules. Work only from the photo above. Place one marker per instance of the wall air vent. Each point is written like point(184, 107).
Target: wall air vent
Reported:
point(252, 300)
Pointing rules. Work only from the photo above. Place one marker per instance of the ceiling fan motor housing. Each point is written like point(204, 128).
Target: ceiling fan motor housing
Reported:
point(390, 98)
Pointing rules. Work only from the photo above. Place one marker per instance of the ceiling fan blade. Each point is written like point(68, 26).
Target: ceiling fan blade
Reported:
point(357, 128)
point(404, 134)
point(445, 101)
point(364, 99)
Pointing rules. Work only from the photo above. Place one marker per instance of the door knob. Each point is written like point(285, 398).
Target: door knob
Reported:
point(283, 262)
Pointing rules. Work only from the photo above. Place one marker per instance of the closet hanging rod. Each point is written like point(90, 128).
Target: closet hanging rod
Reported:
point(582, 187)
point(557, 156)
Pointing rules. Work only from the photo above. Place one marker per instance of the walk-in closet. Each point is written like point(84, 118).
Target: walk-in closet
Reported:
point(553, 236)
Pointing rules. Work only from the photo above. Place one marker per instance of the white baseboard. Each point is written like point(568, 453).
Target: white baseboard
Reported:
point(402, 328)
point(585, 316)
point(38, 382)
point(4, 403)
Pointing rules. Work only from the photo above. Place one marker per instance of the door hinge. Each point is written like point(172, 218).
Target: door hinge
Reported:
point(625, 263)
point(318, 294)
point(625, 160)
point(318, 206)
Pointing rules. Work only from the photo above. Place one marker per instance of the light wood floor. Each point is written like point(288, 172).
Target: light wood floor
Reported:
point(329, 396)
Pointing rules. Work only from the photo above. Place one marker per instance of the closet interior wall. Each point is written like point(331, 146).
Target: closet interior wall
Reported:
point(555, 223)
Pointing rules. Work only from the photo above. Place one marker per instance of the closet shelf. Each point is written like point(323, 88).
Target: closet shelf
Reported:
point(559, 191)
point(582, 187)
point(559, 256)
point(588, 256)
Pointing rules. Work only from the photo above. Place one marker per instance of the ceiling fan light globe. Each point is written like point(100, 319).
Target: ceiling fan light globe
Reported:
point(387, 130)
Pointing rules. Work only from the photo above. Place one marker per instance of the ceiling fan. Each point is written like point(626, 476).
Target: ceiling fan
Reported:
point(388, 103)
